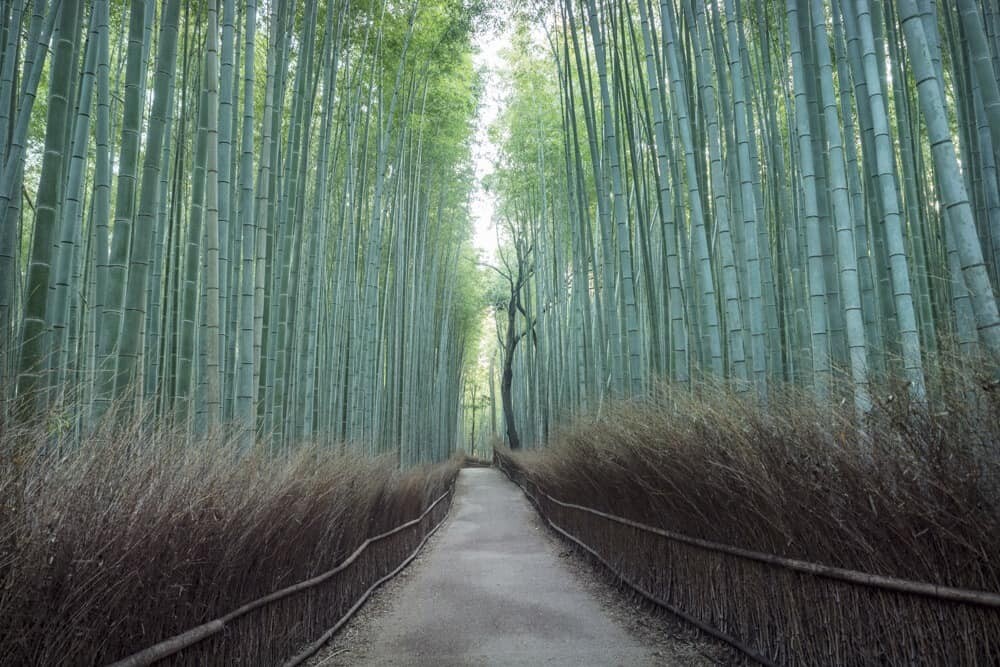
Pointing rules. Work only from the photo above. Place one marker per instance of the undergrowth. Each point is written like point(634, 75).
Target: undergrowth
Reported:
point(913, 491)
point(136, 535)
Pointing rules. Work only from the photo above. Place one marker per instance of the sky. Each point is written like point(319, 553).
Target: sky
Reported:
point(489, 44)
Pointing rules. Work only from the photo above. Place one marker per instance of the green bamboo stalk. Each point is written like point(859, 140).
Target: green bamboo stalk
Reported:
point(32, 379)
point(136, 294)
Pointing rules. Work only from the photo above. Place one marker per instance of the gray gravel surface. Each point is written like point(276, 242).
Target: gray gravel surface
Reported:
point(495, 587)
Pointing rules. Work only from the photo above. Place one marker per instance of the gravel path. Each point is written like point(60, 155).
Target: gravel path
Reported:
point(495, 587)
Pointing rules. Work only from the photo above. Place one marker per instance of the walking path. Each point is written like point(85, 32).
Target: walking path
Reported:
point(492, 590)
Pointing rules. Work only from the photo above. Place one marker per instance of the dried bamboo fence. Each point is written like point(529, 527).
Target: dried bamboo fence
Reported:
point(267, 631)
point(781, 611)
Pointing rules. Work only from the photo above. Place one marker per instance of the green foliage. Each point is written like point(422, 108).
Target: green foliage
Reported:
point(360, 254)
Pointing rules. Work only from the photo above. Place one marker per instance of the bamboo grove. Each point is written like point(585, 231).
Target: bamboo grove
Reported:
point(246, 212)
point(750, 191)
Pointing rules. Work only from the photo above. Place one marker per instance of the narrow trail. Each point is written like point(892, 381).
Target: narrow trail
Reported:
point(492, 589)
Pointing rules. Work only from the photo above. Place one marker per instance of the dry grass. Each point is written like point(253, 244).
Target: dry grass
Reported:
point(135, 537)
point(913, 493)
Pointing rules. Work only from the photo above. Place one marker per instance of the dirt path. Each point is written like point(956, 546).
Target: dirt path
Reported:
point(494, 588)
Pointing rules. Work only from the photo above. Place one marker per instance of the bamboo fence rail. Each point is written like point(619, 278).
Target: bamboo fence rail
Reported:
point(779, 610)
point(375, 559)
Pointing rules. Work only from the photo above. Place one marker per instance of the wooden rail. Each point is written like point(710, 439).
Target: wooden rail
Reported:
point(964, 595)
point(177, 643)
point(311, 649)
point(895, 585)
point(714, 632)
point(967, 596)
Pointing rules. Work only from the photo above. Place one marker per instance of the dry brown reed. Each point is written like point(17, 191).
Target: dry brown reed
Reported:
point(135, 536)
point(913, 492)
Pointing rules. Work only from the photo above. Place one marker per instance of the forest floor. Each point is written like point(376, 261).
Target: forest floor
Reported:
point(495, 587)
